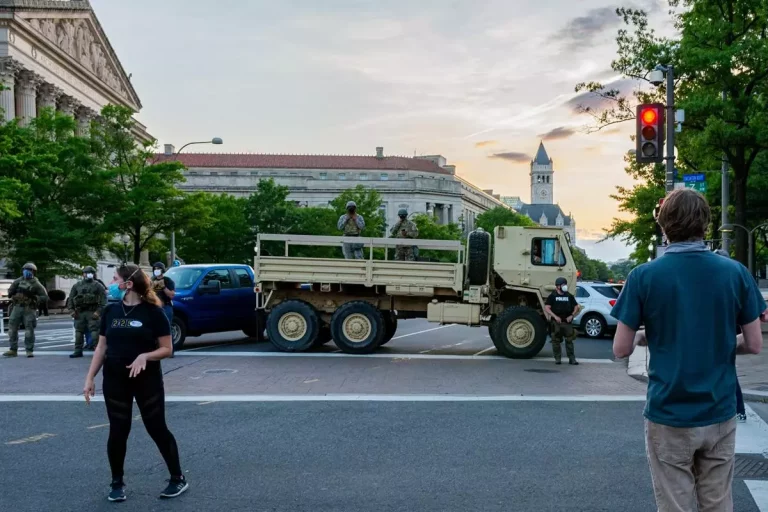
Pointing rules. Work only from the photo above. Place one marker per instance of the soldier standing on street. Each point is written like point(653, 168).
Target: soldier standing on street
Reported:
point(26, 293)
point(562, 308)
point(165, 288)
point(352, 224)
point(87, 300)
point(405, 229)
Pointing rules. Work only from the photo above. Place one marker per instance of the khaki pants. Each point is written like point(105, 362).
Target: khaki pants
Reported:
point(691, 466)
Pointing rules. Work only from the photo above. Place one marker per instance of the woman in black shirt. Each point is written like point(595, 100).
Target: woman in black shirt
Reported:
point(134, 337)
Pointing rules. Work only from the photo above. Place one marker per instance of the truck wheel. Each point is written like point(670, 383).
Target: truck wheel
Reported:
point(519, 333)
point(478, 257)
point(293, 326)
point(178, 333)
point(323, 336)
point(390, 327)
point(357, 328)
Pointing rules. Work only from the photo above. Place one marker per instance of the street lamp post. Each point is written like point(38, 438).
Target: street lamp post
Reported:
point(215, 140)
point(751, 242)
point(126, 239)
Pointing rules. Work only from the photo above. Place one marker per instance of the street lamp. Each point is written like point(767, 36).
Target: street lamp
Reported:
point(215, 141)
point(728, 228)
point(126, 240)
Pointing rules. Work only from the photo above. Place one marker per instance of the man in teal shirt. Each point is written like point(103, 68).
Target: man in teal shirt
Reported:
point(690, 301)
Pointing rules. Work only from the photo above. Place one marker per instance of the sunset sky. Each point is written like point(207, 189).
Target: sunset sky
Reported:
point(479, 82)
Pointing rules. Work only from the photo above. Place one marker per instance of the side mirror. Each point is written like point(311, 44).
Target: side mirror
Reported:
point(212, 287)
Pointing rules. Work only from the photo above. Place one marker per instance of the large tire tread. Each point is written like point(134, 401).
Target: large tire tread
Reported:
point(478, 257)
point(377, 328)
point(310, 317)
point(499, 332)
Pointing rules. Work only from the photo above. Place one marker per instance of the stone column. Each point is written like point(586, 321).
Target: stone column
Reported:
point(68, 105)
point(26, 96)
point(47, 94)
point(84, 116)
point(8, 70)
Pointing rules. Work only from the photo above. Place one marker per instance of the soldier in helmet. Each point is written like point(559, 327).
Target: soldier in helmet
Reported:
point(562, 308)
point(352, 224)
point(405, 229)
point(26, 293)
point(86, 301)
point(165, 288)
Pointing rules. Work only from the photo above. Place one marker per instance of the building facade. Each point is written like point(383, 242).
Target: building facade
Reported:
point(425, 184)
point(543, 209)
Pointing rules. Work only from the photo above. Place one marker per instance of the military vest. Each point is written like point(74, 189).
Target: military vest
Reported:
point(351, 228)
point(88, 295)
point(25, 293)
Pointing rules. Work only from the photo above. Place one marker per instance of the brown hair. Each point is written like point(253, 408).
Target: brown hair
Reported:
point(141, 283)
point(684, 216)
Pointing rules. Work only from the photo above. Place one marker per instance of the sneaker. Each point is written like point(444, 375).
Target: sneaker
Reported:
point(741, 418)
point(118, 491)
point(11, 353)
point(176, 486)
point(76, 353)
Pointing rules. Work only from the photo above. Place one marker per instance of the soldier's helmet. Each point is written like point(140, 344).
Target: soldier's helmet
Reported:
point(560, 281)
point(351, 204)
point(29, 266)
point(159, 265)
point(402, 212)
point(89, 270)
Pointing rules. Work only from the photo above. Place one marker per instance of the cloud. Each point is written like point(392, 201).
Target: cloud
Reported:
point(583, 29)
point(512, 156)
point(593, 235)
point(561, 132)
point(483, 143)
point(595, 102)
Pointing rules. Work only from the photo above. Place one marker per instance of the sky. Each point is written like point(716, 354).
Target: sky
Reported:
point(480, 82)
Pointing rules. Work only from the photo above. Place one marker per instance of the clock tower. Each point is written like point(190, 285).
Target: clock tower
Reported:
point(542, 178)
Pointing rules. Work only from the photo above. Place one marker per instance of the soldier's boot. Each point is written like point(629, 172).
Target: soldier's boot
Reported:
point(79, 341)
point(571, 352)
point(11, 353)
point(557, 350)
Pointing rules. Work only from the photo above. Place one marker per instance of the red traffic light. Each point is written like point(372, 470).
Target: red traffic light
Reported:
point(649, 116)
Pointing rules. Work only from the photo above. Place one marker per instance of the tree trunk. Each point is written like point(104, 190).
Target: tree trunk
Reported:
point(137, 247)
point(740, 200)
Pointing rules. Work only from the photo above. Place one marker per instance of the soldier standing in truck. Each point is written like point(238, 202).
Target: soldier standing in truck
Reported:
point(405, 229)
point(352, 224)
point(562, 308)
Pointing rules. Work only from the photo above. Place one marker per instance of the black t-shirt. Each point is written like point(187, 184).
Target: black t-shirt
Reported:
point(562, 305)
point(132, 330)
point(168, 284)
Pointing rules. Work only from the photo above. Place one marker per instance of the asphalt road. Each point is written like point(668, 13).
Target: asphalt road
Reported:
point(341, 456)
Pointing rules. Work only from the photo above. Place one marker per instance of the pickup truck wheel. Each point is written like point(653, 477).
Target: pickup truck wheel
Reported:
point(178, 333)
point(519, 333)
point(390, 327)
point(357, 328)
point(293, 326)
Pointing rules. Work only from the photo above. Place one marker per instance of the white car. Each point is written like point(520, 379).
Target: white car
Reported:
point(596, 300)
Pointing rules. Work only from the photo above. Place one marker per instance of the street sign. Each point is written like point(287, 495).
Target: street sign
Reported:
point(700, 186)
point(693, 178)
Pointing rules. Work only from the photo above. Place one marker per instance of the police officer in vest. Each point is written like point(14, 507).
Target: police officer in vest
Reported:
point(352, 224)
point(26, 294)
point(86, 300)
point(562, 308)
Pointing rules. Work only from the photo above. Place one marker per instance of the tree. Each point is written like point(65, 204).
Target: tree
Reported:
point(721, 48)
point(143, 196)
point(501, 216)
point(269, 212)
point(622, 268)
point(222, 236)
point(591, 270)
point(429, 229)
point(368, 201)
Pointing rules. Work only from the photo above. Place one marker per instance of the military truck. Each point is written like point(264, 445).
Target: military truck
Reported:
point(498, 281)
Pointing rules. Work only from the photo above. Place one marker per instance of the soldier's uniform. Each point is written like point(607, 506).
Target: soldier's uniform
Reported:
point(405, 229)
point(563, 304)
point(351, 227)
point(26, 294)
point(87, 300)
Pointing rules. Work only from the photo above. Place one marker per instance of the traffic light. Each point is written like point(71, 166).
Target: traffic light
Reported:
point(650, 133)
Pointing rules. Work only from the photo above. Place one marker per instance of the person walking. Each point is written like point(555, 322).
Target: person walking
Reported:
point(351, 224)
point(133, 338)
point(562, 307)
point(165, 288)
point(405, 229)
point(26, 294)
point(690, 302)
point(86, 301)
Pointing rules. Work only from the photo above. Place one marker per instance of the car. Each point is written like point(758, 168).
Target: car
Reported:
point(213, 298)
point(5, 300)
point(596, 300)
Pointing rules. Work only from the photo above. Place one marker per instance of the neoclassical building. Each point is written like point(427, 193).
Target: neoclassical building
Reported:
point(55, 54)
point(424, 184)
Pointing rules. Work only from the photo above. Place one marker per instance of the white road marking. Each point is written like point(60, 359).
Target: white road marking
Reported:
point(422, 332)
point(92, 427)
point(31, 439)
point(347, 398)
point(759, 490)
point(752, 437)
point(484, 351)
point(444, 347)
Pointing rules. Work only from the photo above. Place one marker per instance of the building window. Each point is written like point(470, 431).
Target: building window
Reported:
point(193, 173)
point(384, 176)
point(294, 174)
point(233, 173)
point(343, 176)
point(543, 251)
point(401, 176)
point(214, 173)
point(547, 179)
point(559, 221)
point(363, 176)
point(254, 173)
point(273, 173)
point(323, 175)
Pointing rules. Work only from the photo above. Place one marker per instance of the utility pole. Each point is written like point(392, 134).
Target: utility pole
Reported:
point(725, 198)
point(670, 129)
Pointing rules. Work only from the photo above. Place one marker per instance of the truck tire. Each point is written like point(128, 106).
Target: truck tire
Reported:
point(323, 336)
point(178, 332)
point(357, 328)
point(293, 326)
point(519, 332)
point(478, 257)
point(390, 327)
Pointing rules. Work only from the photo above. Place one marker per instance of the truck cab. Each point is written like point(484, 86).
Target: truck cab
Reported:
point(212, 298)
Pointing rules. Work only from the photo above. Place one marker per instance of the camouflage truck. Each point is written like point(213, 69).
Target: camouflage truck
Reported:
point(500, 282)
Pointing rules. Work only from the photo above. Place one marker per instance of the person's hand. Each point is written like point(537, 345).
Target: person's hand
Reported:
point(138, 365)
point(558, 320)
point(569, 319)
point(89, 389)
point(96, 315)
point(764, 317)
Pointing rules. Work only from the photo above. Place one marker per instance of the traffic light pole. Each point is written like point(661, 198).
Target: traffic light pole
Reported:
point(725, 199)
point(670, 184)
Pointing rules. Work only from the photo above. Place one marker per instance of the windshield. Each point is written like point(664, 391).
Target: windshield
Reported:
point(184, 277)
point(607, 291)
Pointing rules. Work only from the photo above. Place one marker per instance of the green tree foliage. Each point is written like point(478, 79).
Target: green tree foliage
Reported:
point(501, 216)
point(722, 46)
point(591, 270)
point(368, 201)
point(223, 236)
point(621, 269)
point(429, 229)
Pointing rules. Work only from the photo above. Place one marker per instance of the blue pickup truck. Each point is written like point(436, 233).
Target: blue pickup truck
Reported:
point(213, 298)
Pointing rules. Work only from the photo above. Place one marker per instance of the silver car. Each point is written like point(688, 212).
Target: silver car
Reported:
point(596, 300)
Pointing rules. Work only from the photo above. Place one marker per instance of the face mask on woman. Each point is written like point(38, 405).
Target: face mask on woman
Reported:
point(116, 292)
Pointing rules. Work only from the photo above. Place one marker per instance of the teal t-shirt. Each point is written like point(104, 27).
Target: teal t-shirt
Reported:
point(690, 304)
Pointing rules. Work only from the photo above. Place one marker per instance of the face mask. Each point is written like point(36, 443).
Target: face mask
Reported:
point(27, 274)
point(89, 276)
point(158, 273)
point(403, 217)
point(564, 288)
point(115, 292)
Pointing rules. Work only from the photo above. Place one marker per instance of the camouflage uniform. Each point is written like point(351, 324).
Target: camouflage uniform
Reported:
point(563, 305)
point(87, 300)
point(26, 294)
point(351, 227)
point(560, 332)
point(405, 229)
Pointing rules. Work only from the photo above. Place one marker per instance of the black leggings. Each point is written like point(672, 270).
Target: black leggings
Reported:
point(147, 389)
